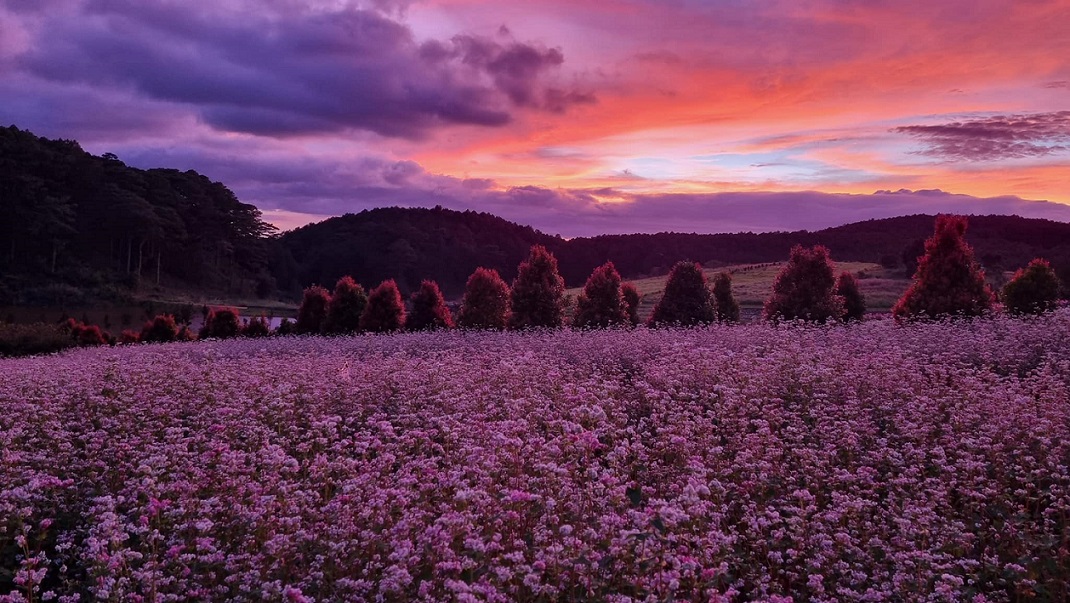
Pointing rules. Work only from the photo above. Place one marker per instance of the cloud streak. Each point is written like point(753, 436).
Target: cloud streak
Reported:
point(995, 138)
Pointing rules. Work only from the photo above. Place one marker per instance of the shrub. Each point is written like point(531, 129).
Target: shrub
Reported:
point(687, 299)
point(161, 329)
point(257, 326)
point(38, 338)
point(345, 307)
point(286, 327)
point(429, 309)
point(948, 280)
point(805, 288)
point(313, 311)
point(537, 296)
point(222, 323)
point(1033, 290)
point(725, 303)
point(185, 334)
point(385, 311)
point(602, 303)
point(486, 301)
point(130, 337)
point(854, 303)
point(631, 298)
point(90, 335)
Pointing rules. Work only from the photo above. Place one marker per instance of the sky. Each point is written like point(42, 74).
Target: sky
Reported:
point(578, 118)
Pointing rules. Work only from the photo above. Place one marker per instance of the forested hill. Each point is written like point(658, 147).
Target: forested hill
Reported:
point(75, 223)
point(445, 245)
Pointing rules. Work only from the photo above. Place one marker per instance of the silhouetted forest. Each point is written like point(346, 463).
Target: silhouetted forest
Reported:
point(80, 225)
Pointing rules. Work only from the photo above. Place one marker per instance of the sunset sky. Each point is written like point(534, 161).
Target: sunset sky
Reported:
point(579, 117)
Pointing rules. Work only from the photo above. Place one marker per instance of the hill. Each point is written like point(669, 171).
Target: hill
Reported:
point(446, 245)
point(80, 227)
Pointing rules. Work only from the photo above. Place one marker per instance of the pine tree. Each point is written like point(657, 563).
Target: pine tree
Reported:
point(805, 288)
point(429, 310)
point(313, 311)
point(687, 299)
point(601, 304)
point(537, 297)
point(1033, 290)
point(726, 305)
point(631, 298)
point(385, 311)
point(854, 303)
point(486, 301)
point(345, 307)
point(948, 280)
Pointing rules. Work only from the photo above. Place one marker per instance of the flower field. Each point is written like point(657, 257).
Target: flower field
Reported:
point(875, 462)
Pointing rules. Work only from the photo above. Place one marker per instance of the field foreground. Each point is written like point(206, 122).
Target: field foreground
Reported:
point(873, 463)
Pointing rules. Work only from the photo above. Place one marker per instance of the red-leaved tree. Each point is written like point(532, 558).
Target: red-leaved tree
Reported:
point(222, 323)
point(805, 288)
point(313, 311)
point(256, 326)
point(429, 310)
point(948, 281)
point(486, 301)
point(345, 307)
point(537, 297)
point(161, 329)
point(1033, 290)
point(601, 304)
point(385, 311)
point(725, 303)
point(854, 303)
point(687, 299)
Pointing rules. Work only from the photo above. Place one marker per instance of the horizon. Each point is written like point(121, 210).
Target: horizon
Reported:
point(610, 117)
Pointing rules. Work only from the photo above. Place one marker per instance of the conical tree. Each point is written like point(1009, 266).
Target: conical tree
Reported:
point(385, 311)
point(854, 303)
point(948, 281)
point(631, 297)
point(313, 311)
point(601, 304)
point(726, 305)
point(345, 307)
point(1033, 290)
point(805, 288)
point(537, 297)
point(486, 301)
point(429, 310)
point(687, 299)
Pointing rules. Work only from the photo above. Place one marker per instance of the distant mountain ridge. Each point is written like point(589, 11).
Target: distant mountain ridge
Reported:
point(410, 244)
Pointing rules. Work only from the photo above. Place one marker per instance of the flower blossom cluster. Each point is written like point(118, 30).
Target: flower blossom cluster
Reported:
point(875, 462)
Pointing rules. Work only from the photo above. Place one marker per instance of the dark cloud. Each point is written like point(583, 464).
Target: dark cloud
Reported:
point(286, 70)
point(997, 137)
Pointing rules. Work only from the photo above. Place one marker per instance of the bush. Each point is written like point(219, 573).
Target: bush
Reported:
point(83, 334)
point(385, 311)
point(257, 326)
point(537, 297)
point(725, 303)
point(948, 280)
point(222, 323)
point(345, 307)
point(161, 329)
point(854, 303)
point(631, 298)
point(38, 338)
point(286, 327)
point(130, 337)
point(313, 311)
point(429, 310)
point(185, 334)
point(1033, 290)
point(687, 299)
point(485, 304)
point(805, 288)
point(601, 304)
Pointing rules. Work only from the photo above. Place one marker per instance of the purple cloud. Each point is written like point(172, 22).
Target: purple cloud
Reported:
point(285, 70)
point(995, 138)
